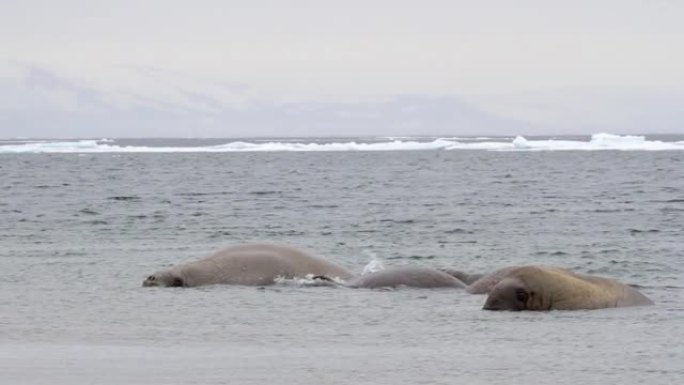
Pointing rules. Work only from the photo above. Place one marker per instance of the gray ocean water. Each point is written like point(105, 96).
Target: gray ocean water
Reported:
point(79, 233)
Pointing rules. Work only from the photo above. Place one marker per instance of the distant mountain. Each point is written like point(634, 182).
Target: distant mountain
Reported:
point(41, 103)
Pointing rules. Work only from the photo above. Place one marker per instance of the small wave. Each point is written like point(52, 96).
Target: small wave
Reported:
point(220, 234)
point(670, 209)
point(264, 192)
point(608, 211)
point(551, 253)
point(415, 257)
point(398, 221)
point(601, 141)
point(286, 233)
point(201, 194)
point(125, 198)
point(637, 231)
point(458, 231)
point(97, 222)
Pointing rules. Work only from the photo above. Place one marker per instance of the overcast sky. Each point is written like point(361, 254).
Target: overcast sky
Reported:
point(318, 68)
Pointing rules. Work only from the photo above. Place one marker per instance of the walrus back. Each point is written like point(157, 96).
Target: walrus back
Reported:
point(408, 276)
point(257, 264)
point(299, 263)
point(561, 289)
point(235, 269)
point(485, 284)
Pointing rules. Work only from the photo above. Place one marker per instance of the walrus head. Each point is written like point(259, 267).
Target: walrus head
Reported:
point(164, 279)
point(510, 294)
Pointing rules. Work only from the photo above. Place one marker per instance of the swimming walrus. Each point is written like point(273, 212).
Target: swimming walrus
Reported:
point(485, 283)
point(405, 276)
point(462, 276)
point(549, 288)
point(248, 264)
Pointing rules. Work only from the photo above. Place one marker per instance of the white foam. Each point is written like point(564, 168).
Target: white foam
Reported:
point(395, 145)
point(374, 265)
point(307, 281)
point(601, 141)
point(609, 140)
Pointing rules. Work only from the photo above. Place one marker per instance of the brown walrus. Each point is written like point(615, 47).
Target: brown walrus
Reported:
point(550, 288)
point(485, 283)
point(248, 264)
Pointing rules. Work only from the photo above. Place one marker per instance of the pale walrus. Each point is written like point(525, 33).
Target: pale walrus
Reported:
point(406, 276)
point(249, 264)
point(464, 277)
point(548, 288)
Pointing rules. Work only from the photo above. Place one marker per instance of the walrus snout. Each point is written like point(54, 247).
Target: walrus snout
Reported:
point(164, 279)
point(507, 295)
point(150, 281)
point(500, 305)
point(492, 305)
point(503, 305)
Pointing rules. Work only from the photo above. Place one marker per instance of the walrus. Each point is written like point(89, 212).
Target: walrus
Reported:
point(549, 288)
point(462, 276)
point(406, 276)
point(249, 264)
point(484, 284)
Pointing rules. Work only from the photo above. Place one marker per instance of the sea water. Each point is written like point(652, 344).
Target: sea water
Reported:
point(83, 222)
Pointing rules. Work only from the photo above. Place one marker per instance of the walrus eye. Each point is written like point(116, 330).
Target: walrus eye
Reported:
point(521, 295)
point(151, 278)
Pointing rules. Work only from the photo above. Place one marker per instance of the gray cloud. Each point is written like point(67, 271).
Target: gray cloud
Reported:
point(215, 68)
